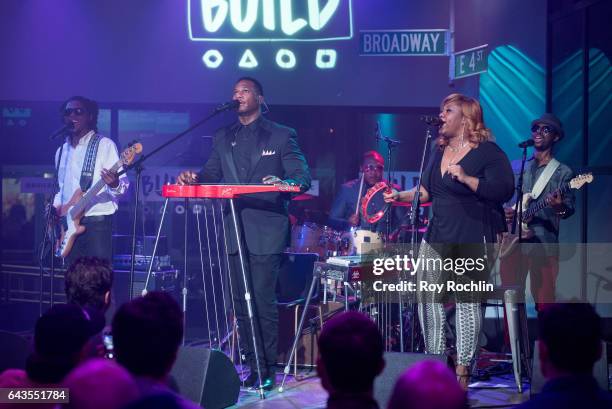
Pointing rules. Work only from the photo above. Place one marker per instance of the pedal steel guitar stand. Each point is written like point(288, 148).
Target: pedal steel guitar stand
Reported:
point(229, 192)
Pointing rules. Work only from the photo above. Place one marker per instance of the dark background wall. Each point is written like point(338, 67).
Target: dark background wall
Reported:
point(140, 51)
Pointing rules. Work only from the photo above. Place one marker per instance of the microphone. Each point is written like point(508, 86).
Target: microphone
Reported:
point(62, 130)
point(524, 144)
point(233, 104)
point(431, 120)
point(380, 137)
point(377, 133)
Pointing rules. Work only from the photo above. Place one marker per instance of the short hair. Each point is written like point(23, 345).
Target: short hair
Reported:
point(91, 107)
point(351, 349)
point(428, 384)
point(147, 332)
point(572, 334)
point(87, 281)
point(258, 86)
point(476, 132)
point(59, 337)
point(375, 156)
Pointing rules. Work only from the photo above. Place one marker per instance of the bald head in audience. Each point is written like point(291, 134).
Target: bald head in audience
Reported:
point(428, 385)
point(350, 354)
point(100, 384)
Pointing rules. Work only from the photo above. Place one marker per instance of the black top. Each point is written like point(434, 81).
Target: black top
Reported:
point(244, 143)
point(463, 216)
point(271, 149)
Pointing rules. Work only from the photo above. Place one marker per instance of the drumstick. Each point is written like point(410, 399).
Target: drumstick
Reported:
point(359, 194)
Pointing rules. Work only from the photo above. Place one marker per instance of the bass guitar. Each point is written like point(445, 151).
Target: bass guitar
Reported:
point(71, 213)
point(532, 207)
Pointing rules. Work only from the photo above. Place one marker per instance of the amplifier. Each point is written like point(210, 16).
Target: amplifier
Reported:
point(124, 262)
point(165, 280)
point(20, 283)
point(122, 244)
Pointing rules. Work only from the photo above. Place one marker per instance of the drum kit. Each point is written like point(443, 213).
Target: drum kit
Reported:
point(327, 242)
point(311, 237)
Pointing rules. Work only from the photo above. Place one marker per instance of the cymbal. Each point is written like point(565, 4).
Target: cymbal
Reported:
point(303, 196)
point(409, 204)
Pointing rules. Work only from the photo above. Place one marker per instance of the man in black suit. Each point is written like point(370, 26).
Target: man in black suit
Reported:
point(255, 150)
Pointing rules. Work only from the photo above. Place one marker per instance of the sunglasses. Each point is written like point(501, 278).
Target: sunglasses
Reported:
point(544, 129)
point(372, 168)
point(76, 111)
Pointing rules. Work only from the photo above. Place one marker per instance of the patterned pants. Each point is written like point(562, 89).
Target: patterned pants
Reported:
point(433, 317)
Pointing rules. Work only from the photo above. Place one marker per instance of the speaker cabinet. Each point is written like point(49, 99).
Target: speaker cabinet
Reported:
point(206, 377)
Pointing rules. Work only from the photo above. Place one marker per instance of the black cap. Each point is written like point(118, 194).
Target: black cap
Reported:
point(552, 121)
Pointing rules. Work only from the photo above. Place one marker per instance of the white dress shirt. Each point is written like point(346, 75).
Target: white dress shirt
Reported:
point(71, 166)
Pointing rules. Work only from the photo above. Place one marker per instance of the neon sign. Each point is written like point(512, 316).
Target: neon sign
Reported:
point(245, 21)
point(269, 20)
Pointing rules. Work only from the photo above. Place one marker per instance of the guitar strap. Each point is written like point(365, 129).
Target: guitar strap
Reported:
point(544, 178)
point(90, 162)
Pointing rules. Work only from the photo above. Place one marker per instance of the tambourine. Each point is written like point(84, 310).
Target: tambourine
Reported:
point(366, 201)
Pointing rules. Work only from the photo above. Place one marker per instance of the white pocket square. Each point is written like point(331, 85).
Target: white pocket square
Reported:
point(268, 153)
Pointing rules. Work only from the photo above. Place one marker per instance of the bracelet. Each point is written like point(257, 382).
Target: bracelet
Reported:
point(561, 212)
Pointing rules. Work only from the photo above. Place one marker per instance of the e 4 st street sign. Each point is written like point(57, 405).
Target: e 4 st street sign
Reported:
point(470, 62)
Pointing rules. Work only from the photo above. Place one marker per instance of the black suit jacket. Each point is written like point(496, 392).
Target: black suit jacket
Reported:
point(264, 217)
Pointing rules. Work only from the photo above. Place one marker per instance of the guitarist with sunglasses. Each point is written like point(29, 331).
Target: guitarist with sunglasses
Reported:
point(539, 253)
point(81, 162)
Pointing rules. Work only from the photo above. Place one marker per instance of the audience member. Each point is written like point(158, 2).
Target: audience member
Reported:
point(100, 384)
point(61, 337)
point(350, 357)
point(88, 284)
point(158, 401)
point(569, 341)
point(147, 333)
point(428, 385)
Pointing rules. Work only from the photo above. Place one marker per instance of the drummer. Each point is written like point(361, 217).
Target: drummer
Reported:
point(343, 216)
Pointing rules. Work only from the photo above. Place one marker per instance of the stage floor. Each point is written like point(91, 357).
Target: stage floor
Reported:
point(498, 392)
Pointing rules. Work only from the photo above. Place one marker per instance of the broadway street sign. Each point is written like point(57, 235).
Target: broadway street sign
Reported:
point(403, 42)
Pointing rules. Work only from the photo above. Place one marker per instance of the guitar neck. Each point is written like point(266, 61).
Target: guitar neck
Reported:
point(541, 204)
point(91, 193)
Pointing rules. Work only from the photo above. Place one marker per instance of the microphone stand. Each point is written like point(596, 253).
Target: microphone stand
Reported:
point(137, 166)
point(49, 235)
point(519, 197)
point(391, 143)
point(517, 223)
point(414, 218)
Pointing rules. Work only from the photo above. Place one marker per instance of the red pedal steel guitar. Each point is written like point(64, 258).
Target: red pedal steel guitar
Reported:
point(72, 212)
point(223, 191)
point(511, 240)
